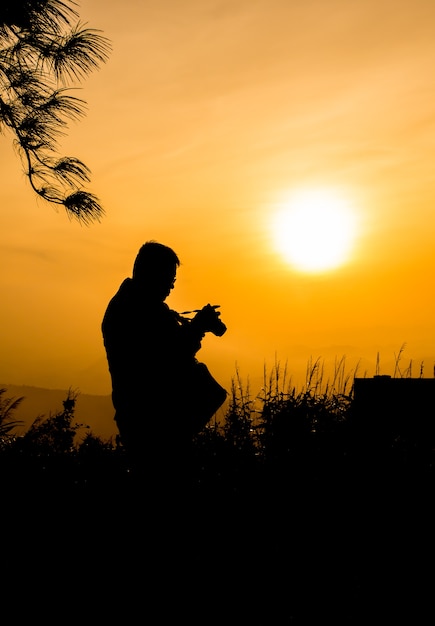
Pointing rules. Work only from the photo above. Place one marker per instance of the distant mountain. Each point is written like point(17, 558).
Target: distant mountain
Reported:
point(92, 410)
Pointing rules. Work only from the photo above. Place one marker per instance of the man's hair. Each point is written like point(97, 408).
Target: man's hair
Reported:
point(154, 258)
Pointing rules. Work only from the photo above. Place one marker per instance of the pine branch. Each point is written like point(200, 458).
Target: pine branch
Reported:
point(40, 50)
point(79, 53)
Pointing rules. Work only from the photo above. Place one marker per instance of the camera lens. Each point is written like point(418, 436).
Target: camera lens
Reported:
point(220, 328)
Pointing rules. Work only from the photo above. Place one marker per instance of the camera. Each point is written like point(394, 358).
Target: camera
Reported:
point(211, 322)
point(207, 320)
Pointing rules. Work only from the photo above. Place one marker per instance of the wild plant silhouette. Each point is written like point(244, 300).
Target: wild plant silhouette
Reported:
point(292, 513)
point(283, 435)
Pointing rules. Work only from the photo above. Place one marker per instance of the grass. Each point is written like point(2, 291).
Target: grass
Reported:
point(279, 428)
point(291, 517)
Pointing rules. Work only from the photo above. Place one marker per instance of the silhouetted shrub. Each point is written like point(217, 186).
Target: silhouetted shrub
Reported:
point(7, 422)
point(281, 440)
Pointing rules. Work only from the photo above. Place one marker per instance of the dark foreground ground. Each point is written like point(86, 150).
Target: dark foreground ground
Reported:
point(348, 549)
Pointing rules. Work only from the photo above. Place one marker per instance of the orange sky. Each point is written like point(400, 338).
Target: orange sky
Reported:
point(207, 114)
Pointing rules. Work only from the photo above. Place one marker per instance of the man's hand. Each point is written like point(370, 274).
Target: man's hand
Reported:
point(207, 320)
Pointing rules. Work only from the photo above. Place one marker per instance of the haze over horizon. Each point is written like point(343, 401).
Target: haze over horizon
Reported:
point(208, 118)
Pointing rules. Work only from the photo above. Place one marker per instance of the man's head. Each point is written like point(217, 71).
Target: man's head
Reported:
point(155, 269)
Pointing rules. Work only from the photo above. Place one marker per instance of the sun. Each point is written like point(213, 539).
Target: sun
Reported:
point(315, 229)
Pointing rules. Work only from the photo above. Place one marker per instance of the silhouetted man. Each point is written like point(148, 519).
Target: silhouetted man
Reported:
point(151, 357)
